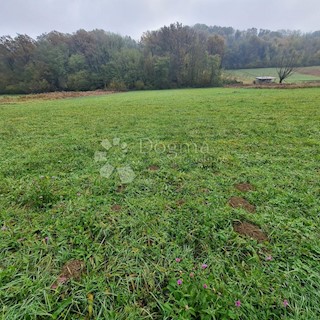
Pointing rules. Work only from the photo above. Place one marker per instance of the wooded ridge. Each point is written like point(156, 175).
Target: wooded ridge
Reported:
point(174, 56)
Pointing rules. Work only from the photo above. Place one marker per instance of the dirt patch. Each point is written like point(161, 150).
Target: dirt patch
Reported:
point(54, 96)
point(244, 187)
point(180, 202)
point(116, 208)
point(121, 188)
point(238, 202)
point(250, 230)
point(73, 269)
point(310, 71)
point(153, 168)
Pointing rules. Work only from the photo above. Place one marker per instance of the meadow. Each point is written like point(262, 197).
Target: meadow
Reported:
point(173, 204)
point(301, 75)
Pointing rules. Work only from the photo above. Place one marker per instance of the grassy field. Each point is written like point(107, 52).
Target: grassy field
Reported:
point(166, 234)
point(301, 75)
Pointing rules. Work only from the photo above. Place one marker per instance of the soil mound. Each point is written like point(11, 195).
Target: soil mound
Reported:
point(250, 230)
point(238, 202)
point(244, 187)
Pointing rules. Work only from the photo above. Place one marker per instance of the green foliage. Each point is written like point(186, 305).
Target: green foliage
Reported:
point(79, 81)
point(182, 57)
point(253, 48)
point(195, 299)
point(161, 72)
point(100, 60)
point(76, 63)
point(174, 56)
point(37, 194)
point(117, 86)
point(139, 85)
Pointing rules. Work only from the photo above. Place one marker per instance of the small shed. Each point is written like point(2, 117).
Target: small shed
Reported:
point(262, 80)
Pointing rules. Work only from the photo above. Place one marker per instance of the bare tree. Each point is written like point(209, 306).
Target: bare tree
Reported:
point(286, 66)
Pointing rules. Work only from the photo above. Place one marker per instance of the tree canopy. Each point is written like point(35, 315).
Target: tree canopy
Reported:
point(174, 56)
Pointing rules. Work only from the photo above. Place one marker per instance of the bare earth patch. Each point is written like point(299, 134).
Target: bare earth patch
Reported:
point(153, 168)
point(244, 187)
point(250, 230)
point(180, 202)
point(312, 71)
point(116, 208)
point(71, 270)
point(238, 202)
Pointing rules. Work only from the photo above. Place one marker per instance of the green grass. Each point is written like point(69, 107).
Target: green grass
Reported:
point(249, 75)
point(203, 141)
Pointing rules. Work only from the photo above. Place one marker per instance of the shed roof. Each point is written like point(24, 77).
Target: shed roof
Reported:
point(265, 78)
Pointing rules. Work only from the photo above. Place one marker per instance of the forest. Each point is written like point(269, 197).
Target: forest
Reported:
point(175, 56)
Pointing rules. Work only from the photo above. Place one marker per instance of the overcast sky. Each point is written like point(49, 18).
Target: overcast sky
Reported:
point(133, 17)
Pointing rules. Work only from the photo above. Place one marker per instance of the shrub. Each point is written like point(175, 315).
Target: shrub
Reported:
point(117, 86)
point(139, 85)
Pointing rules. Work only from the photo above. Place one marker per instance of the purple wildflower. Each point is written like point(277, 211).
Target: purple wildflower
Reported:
point(179, 282)
point(205, 286)
point(269, 258)
point(238, 303)
point(178, 259)
point(285, 303)
point(204, 266)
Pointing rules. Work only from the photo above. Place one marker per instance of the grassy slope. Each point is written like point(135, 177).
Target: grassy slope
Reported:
point(270, 138)
point(248, 75)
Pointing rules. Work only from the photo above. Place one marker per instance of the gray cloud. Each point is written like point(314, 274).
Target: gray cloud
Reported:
point(133, 17)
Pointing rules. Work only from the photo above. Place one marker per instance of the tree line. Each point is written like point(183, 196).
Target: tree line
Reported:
point(174, 56)
point(263, 48)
